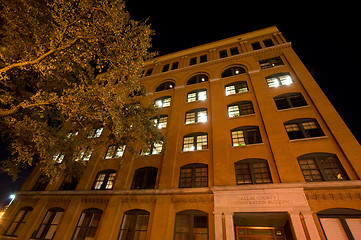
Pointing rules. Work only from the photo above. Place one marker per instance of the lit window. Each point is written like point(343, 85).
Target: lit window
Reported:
point(270, 63)
point(156, 148)
point(160, 122)
point(240, 109)
point(163, 102)
point(17, 223)
point(195, 141)
point(196, 115)
point(87, 225)
point(115, 151)
point(236, 87)
point(72, 134)
point(303, 128)
point(193, 175)
point(49, 224)
point(198, 95)
point(58, 158)
point(84, 154)
point(95, 132)
point(245, 136)
point(279, 80)
point(105, 180)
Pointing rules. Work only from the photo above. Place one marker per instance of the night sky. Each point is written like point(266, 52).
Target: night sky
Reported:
point(323, 36)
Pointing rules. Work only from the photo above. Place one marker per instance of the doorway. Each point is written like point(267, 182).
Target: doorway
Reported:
point(260, 233)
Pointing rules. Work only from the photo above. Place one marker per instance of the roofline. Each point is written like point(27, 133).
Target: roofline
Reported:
point(216, 44)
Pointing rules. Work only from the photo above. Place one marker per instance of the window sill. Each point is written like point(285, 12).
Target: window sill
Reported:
point(195, 123)
point(202, 150)
point(248, 145)
point(306, 139)
point(242, 116)
point(293, 108)
point(235, 94)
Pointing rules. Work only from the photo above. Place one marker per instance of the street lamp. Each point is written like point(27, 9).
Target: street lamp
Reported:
point(12, 197)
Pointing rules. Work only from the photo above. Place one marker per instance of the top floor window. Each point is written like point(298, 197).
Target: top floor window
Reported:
point(232, 71)
point(165, 68)
point(270, 63)
point(223, 53)
point(148, 72)
point(175, 65)
point(165, 86)
point(197, 79)
point(256, 45)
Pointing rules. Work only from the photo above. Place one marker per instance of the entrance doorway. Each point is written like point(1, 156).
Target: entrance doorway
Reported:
point(260, 233)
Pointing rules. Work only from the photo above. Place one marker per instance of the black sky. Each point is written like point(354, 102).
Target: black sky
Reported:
point(323, 36)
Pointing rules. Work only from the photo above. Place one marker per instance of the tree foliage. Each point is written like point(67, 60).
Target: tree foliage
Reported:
point(70, 65)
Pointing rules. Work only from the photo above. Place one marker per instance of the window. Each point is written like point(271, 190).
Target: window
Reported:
point(95, 132)
point(252, 171)
point(197, 79)
point(321, 167)
point(289, 100)
point(165, 86)
point(268, 42)
point(196, 115)
point(144, 178)
point(236, 87)
point(115, 151)
point(223, 54)
point(84, 155)
point(203, 58)
point(197, 95)
point(279, 80)
point(104, 180)
point(165, 68)
point(19, 220)
point(270, 63)
point(68, 185)
point(87, 225)
point(175, 65)
point(245, 136)
point(41, 183)
point(193, 175)
point(303, 128)
point(163, 101)
point(160, 121)
point(340, 223)
point(49, 225)
point(191, 225)
point(148, 72)
point(240, 108)
point(232, 71)
point(134, 225)
point(256, 45)
point(58, 157)
point(195, 141)
point(155, 148)
point(234, 51)
point(193, 61)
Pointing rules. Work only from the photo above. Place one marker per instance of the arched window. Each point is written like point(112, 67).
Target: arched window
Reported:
point(134, 225)
point(197, 79)
point(49, 225)
point(340, 223)
point(144, 178)
point(232, 71)
point(193, 175)
point(88, 223)
point(104, 180)
point(195, 141)
point(245, 136)
point(252, 171)
point(236, 87)
point(303, 128)
point(19, 220)
point(191, 224)
point(289, 100)
point(321, 167)
point(240, 109)
point(165, 86)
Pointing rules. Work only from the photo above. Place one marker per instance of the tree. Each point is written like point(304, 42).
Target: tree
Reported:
point(70, 65)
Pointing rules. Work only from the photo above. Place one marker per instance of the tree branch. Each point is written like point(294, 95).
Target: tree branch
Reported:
point(14, 110)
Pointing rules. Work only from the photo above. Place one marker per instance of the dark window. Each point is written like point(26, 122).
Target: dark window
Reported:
point(279, 79)
point(41, 183)
point(340, 223)
point(191, 225)
point(165, 86)
point(144, 178)
point(197, 79)
point(303, 128)
point(321, 167)
point(245, 136)
point(175, 65)
point(148, 72)
point(289, 100)
point(199, 94)
point(203, 58)
point(195, 141)
point(19, 220)
point(234, 51)
point(193, 175)
point(256, 45)
point(49, 225)
point(196, 115)
point(104, 180)
point(252, 171)
point(270, 63)
point(236, 87)
point(165, 68)
point(232, 71)
point(268, 42)
point(134, 225)
point(87, 225)
point(223, 54)
point(68, 185)
point(240, 109)
point(193, 61)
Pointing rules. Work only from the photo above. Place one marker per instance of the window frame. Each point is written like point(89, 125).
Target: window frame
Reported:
point(119, 149)
point(162, 99)
point(197, 95)
point(166, 85)
point(193, 183)
point(288, 99)
point(109, 177)
point(238, 86)
point(94, 212)
point(191, 214)
point(136, 213)
point(198, 78)
point(147, 173)
point(196, 112)
point(47, 225)
point(195, 142)
point(252, 172)
point(246, 135)
point(232, 71)
point(157, 121)
point(279, 82)
point(302, 132)
point(95, 132)
point(24, 211)
point(270, 63)
point(241, 108)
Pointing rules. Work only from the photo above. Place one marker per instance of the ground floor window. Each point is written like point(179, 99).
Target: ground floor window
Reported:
point(191, 225)
point(87, 224)
point(134, 225)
